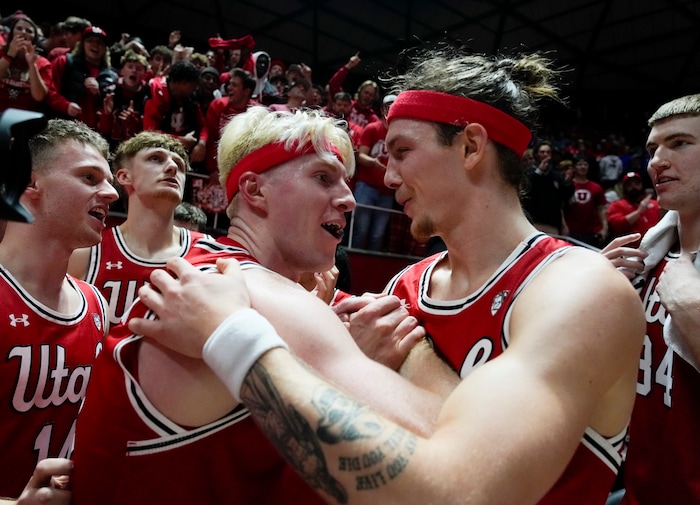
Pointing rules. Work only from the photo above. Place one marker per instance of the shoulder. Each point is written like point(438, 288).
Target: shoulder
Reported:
point(579, 307)
point(581, 287)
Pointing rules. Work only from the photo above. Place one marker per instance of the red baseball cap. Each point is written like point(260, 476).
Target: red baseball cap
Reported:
point(95, 31)
point(631, 175)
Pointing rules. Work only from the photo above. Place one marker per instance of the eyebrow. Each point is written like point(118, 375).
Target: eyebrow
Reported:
point(98, 170)
point(672, 136)
point(398, 137)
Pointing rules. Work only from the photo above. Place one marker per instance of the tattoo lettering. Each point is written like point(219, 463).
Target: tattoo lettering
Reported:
point(340, 420)
point(382, 464)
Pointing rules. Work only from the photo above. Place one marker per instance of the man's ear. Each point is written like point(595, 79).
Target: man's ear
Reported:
point(32, 190)
point(474, 140)
point(123, 176)
point(249, 187)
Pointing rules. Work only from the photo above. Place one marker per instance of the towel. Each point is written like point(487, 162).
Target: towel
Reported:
point(657, 242)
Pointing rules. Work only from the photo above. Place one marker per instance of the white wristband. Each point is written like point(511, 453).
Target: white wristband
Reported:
point(236, 345)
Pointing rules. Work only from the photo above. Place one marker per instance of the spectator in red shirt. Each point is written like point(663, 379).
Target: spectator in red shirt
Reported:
point(361, 110)
point(81, 77)
point(636, 211)
point(25, 76)
point(585, 212)
point(173, 109)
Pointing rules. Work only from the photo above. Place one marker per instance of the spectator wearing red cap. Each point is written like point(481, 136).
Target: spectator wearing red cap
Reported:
point(81, 77)
point(636, 211)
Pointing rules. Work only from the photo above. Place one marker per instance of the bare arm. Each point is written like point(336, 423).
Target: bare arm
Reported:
point(38, 87)
point(427, 370)
point(364, 158)
point(603, 216)
point(487, 448)
point(313, 332)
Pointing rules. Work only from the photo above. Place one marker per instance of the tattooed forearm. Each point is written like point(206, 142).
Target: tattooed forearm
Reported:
point(332, 419)
point(289, 431)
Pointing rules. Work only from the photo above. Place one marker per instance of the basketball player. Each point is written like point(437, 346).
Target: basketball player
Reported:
point(661, 464)
point(545, 336)
point(151, 168)
point(164, 424)
point(51, 325)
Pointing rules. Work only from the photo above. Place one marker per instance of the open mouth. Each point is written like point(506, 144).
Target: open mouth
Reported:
point(334, 229)
point(98, 213)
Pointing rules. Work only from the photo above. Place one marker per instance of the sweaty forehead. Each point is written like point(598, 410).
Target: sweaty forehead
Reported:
point(402, 129)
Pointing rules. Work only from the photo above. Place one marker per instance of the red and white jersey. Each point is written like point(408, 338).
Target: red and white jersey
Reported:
point(127, 452)
point(471, 331)
point(47, 360)
point(338, 296)
point(119, 273)
point(662, 462)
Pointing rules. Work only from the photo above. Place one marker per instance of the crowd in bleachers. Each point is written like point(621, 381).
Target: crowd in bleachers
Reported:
point(118, 86)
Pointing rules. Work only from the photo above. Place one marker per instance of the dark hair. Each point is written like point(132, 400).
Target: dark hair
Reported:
point(304, 83)
point(183, 71)
point(342, 95)
point(163, 51)
point(74, 24)
point(189, 213)
point(16, 19)
point(246, 78)
point(279, 78)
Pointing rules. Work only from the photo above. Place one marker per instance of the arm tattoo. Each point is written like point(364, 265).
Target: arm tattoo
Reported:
point(290, 432)
point(340, 420)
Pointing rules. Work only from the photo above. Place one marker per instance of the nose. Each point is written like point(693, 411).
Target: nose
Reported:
point(657, 163)
point(345, 200)
point(171, 167)
point(391, 175)
point(108, 193)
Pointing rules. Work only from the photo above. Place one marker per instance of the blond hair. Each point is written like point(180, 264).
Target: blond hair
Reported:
point(258, 127)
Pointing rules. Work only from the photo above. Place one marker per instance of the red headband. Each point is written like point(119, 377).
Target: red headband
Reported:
point(267, 157)
point(457, 110)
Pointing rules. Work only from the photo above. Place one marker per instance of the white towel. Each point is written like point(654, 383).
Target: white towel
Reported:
point(657, 242)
